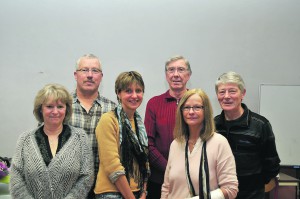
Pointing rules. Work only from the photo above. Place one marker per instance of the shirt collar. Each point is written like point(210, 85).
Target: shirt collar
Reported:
point(75, 98)
point(169, 97)
point(241, 121)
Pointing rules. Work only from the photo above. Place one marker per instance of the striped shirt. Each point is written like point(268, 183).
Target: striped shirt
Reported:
point(89, 120)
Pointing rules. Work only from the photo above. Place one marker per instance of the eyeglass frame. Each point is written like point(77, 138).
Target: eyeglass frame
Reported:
point(180, 70)
point(194, 108)
point(230, 92)
point(87, 70)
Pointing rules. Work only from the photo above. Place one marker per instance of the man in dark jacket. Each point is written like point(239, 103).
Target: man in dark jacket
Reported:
point(250, 136)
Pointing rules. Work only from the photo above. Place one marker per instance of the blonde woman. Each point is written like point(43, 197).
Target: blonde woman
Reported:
point(200, 164)
point(54, 160)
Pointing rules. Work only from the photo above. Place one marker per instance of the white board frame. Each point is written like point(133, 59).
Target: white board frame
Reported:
point(280, 104)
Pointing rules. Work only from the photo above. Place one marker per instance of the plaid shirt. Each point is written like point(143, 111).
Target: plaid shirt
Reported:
point(89, 120)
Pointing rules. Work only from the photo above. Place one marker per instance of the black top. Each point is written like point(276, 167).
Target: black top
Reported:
point(43, 143)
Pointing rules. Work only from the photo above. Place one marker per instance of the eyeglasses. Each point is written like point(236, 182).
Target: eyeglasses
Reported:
point(228, 92)
point(87, 70)
point(180, 70)
point(194, 108)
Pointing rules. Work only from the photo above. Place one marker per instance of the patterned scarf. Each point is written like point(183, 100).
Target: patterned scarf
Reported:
point(134, 146)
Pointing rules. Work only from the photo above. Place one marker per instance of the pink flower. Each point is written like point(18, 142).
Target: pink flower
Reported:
point(3, 170)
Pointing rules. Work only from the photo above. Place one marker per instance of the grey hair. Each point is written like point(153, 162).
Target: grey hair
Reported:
point(87, 56)
point(178, 57)
point(230, 77)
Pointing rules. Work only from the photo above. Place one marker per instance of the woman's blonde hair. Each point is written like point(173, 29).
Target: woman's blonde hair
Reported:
point(181, 130)
point(55, 92)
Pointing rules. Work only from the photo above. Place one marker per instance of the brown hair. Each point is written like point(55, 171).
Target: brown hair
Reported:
point(125, 79)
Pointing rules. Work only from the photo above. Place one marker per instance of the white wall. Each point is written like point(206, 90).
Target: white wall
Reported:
point(41, 40)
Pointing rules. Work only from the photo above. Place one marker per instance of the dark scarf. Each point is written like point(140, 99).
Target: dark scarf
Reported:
point(204, 188)
point(133, 146)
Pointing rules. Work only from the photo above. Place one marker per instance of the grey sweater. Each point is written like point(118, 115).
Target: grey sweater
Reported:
point(70, 173)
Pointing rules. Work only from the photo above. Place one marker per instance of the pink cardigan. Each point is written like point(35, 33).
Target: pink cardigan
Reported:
point(222, 170)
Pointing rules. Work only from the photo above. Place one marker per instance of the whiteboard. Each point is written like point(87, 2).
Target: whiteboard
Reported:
point(281, 106)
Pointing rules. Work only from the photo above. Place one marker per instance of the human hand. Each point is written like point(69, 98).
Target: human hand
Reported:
point(143, 195)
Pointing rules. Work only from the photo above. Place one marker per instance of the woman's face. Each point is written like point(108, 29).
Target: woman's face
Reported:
point(193, 111)
point(131, 98)
point(54, 112)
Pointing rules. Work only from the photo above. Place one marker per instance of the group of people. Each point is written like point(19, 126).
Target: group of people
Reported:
point(87, 146)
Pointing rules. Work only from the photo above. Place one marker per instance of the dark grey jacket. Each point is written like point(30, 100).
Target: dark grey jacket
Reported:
point(253, 144)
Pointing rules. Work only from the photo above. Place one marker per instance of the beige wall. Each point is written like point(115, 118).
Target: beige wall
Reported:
point(41, 40)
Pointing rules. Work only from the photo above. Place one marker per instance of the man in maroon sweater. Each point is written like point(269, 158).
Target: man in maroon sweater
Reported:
point(160, 121)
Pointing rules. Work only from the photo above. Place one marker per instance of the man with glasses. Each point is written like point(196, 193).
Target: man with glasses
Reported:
point(250, 137)
point(160, 121)
point(88, 105)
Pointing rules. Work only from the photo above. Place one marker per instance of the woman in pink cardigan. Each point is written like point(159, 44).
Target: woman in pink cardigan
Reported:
point(201, 163)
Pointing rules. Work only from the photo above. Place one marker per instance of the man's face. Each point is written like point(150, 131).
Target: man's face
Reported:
point(177, 75)
point(88, 80)
point(230, 97)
